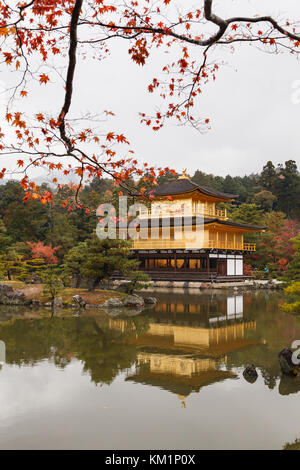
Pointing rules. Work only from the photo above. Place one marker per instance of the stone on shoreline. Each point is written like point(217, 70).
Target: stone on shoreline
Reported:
point(79, 301)
point(133, 301)
point(112, 303)
point(9, 296)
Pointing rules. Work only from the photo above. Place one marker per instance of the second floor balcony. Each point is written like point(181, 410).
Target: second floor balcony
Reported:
point(199, 212)
point(183, 244)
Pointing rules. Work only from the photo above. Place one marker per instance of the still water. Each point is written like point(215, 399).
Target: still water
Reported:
point(167, 378)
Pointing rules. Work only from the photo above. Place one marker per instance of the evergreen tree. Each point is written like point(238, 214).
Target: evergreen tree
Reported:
point(5, 240)
point(73, 262)
point(247, 214)
point(103, 257)
point(52, 283)
point(287, 189)
point(268, 177)
point(265, 200)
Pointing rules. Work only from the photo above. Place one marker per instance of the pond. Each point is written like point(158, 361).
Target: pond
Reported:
point(167, 378)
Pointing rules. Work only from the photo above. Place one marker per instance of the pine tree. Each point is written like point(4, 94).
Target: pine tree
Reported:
point(52, 281)
point(73, 262)
point(5, 240)
point(102, 258)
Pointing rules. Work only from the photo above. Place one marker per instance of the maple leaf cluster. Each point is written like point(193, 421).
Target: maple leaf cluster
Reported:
point(39, 37)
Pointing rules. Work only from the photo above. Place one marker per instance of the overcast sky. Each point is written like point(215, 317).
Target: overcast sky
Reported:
point(250, 104)
point(252, 115)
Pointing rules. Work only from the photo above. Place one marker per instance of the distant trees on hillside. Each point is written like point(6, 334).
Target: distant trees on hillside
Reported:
point(49, 231)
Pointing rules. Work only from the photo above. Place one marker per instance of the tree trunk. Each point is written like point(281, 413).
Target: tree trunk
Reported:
point(78, 281)
point(93, 283)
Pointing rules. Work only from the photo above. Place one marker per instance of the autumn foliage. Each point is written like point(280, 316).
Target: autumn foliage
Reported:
point(45, 252)
point(38, 37)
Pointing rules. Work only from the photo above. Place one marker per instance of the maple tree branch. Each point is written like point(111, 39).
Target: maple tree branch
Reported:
point(223, 24)
point(70, 74)
point(209, 16)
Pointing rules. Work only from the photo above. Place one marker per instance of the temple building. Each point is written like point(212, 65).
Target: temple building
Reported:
point(183, 236)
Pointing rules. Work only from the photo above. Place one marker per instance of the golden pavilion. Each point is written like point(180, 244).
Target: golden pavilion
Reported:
point(183, 236)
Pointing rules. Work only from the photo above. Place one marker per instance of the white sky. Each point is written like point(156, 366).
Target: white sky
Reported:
point(250, 104)
point(252, 115)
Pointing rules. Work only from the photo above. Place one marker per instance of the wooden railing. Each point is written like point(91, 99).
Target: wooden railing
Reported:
point(249, 247)
point(216, 214)
point(230, 245)
point(184, 244)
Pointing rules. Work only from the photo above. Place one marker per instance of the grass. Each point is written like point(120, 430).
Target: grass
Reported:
point(95, 297)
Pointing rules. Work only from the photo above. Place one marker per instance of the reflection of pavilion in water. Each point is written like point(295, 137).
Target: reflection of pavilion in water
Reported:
point(186, 345)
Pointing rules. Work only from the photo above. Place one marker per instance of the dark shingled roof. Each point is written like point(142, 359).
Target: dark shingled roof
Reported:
point(185, 185)
point(236, 224)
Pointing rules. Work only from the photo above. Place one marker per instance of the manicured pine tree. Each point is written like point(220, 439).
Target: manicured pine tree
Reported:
point(103, 257)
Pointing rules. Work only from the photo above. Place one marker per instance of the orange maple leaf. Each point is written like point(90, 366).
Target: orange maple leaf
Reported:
point(110, 136)
point(44, 78)
point(122, 138)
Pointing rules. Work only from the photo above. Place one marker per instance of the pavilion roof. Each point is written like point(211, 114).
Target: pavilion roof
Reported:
point(186, 185)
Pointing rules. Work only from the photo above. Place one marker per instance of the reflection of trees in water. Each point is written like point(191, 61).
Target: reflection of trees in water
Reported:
point(289, 385)
point(275, 330)
point(107, 346)
point(89, 339)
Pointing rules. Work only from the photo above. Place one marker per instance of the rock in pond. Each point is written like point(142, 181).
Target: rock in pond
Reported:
point(79, 300)
point(113, 302)
point(250, 373)
point(133, 301)
point(287, 365)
